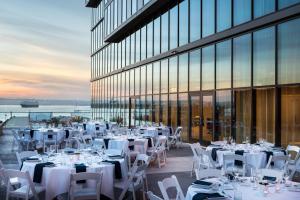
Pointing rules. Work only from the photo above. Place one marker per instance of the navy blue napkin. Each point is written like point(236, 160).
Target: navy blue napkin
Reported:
point(80, 168)
point(67, 133)
point(238, 162)
point(214, 153)
point(202, 196)
point(31, 133)
point(106, 140)
point(269, 178)
point(198, 182)
point(269, 153)
point(38, 171)
point(131, 148)
point(118, 172)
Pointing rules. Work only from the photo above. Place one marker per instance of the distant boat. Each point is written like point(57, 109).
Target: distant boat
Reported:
point(29, 104)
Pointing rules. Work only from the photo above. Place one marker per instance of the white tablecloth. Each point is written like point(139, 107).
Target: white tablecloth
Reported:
point(39, 133)
point(57, 179)
point(248, 193)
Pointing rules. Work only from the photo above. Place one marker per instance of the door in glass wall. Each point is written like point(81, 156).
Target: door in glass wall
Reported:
point(207, 120)
point(195, 117)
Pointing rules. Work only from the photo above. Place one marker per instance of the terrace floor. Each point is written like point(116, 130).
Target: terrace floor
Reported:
point(179, 162)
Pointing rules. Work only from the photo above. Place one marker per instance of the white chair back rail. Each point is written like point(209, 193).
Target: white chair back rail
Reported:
point(21, 156)
point(171, 182)
point(229, 163)
point(85, 193)
point(294, 151)
point(208, 173)
point(278, 158)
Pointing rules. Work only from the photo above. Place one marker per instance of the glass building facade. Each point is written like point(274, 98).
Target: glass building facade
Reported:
point(217, 68)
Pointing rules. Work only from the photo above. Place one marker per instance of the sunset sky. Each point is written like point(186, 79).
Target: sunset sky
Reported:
point(44, 49)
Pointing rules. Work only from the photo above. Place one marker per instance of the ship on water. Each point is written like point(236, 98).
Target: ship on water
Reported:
point(29, 104)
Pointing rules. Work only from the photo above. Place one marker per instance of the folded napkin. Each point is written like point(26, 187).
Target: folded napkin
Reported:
point(67, 133)
point(80, 168)
point(28, 158)
point(238, 162)
point(269, 153)
point(132, 146)
point(203, 196)
point(38, 171)
point(106, 140)
point(31, 133)
point(214, 153)
point(198, 182)
point(269, 178)
point(50, 136)
point(84, 127)
point(118, 172)
point(149, 141)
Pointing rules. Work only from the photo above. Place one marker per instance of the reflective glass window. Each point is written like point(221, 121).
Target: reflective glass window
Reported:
point(208, 17)
point(157, 36)
point(174, 27)
point(165, 32)
point(137, 81)
point(156, 77)
point(242, 61)
point(183, 73)
point(208, 68)
point(132, 50)
point(138, 45)
point(195, 20)
point(131, 87)
point(195, 66)
point(164, 108)
point(173, 74)
point(223, 65)
point(223, 14)
point(223, 114)
point(173, 110)
point(156, 108)
point(149, 79)
point(286, 3)
point(150, 40)
point(183, 22)
point(289, 52)
point(143, 80)
point(264, 57)
point(183, 114)
point(242, 11)
point(164, 76)
point(143, 43)
point(127, 61)
point(263, 7)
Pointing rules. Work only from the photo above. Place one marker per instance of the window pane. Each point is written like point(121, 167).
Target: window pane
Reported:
point(183, 73)
point(131, 82)
point(290, 115)
point(264, 57)
point(195, 70)
point(242, 61)
point(143, 43)
point(173, 74)
point(156, 77)
point(208, 21)
point(164, 76)
point(150, 40)
point(263, 7)
point(195, 20)
point(156, 108)
point(184, 22)
point(137, 81)
point(223, 114)
point(132, 50)
point(265, 114)
point(223, 14)
point(289, 52)
point(157, 36)
point(223, 65)
point(286, 3)
point(173, 110)
point(242, 11)
point(208, 68)
point(138, 46)
point(174, 27)
point(143, 80)
point(164, 108)
point(183, 114)
point(127, 50)
point(242, 100)
point(149, 108)
point(149, 79)
point(165, 32)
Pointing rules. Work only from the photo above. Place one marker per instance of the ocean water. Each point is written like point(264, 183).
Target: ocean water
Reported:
point(6, 111)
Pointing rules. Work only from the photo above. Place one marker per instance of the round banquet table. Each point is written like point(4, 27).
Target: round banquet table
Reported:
point(248, 193)
point(56, 179)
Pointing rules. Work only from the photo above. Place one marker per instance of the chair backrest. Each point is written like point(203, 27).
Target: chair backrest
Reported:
point(99, 144)
point(171, 182)
point(178, 131)
point(24, 177)
point(296, 169)
point(142, 158)
point(294, 151)
point(87, 139)
point(229, 160)
point(277, 158)
point(121, 145)
point(272, 173)
point(152, 196)
point(205, 160)
point(21, 156)
point(208, 173)
point(86, 176)
point(139, 145)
